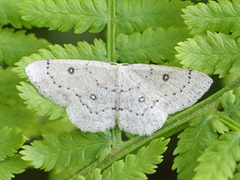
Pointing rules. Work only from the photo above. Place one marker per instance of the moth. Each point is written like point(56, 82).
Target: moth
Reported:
point(98, 95)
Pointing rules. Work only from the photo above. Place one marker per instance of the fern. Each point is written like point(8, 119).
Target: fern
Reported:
point(142, 14)
point(191, 147)
point(8, 81)
point(221, 16)
point(225, 151)
point(10, 162)
point(136, 31)
point(10, 15)
point(82, 51)
point(237, 174)
point(54, 150)
point(12, 112)
point(135, 166)
point(211, 54)
point(230, 103)
point(9, 142)
point(12, 165)
point(64, 15)
point(149, 46)
point(48, 108)
point(14, 51)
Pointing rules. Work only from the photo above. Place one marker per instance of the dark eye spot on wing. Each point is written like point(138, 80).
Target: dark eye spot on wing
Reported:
point(71, 70)
point(93, 97)
point(166, 77)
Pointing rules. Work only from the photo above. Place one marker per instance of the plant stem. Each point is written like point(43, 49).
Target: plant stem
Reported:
point(111, 37)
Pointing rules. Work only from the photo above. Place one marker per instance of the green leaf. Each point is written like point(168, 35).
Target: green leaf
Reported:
point(14, 45)
point(10, 15)
point(80, 177)
point(95, 175)
point(16, 116)
point(66, 174)
point(221, 16)
point(219, 159)
point(84, 51)
point(134, 166)
point(150, 45)
point(66, 150)
point(237, 174)
point(8, 91)
point(193, 142)
point(142, 14)
point(38, 103)
point(66, 14)
point(12, 165)
point(12, 112)
point(231, 104)
point(211, 54)
point(11, 140)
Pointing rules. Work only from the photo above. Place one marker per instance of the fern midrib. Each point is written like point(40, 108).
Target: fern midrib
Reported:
point(142, 14)
point(111, 30)
point(220, 54)
point(213, 18)
point(55, 151)
point(78, 16)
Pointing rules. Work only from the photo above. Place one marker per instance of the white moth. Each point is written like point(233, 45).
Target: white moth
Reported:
point(99, 95)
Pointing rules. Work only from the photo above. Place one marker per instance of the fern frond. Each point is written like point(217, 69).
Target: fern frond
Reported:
point(38, 103)
point(193, 141)
point(236, 176)
point(12, 112)
point(10, 15)
point(8, 91)
point(136, 166)
point(231, 103)
point(211, 54)
point(16, 116)
point(95, 175)
point(12, 165)
point(66, 14)
point(142, 14)
point(66, 174)
point(219, 159)
point(150, 45)
point(221, 16)
point(67, 150)
point(83, 50)
point(11, 140)
point(12, 47)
